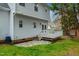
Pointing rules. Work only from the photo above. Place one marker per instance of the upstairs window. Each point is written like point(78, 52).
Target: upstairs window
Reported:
point(20, 24)
point(34, 25)
point(36, 7)
point(22, 4)
point(45, 10)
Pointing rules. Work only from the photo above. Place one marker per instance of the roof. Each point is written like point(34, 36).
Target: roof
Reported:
point(4, 5)
point(45, 4)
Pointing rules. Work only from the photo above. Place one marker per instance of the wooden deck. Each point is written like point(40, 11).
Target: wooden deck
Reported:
point(51, 35)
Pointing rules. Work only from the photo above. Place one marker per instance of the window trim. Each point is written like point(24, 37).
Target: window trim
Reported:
point(42, 27)
point(36, 7)
point(20, 23)
point(34, 24)
point(45, 27)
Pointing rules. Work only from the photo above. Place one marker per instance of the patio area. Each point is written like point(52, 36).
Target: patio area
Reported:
point(32, 43)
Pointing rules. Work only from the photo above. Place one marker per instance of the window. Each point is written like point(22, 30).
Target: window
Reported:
point(42, 27)
point(45, 27)
point(20, 24)
point(36, 7)
point(40, 23)
point(45, 10)
point(34, 25)
point(22, 4)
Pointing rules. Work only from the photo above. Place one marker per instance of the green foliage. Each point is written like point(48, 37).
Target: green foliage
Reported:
point(69, 15)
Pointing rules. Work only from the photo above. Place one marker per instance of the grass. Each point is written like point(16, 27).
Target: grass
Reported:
point(60, 48)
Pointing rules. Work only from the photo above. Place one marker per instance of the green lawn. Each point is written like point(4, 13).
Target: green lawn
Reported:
point(62, 47)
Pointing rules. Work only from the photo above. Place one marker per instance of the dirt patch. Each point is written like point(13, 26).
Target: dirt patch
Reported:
point(73, 51)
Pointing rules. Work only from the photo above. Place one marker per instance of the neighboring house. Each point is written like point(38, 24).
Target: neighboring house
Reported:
point(75, 32)
point(57, 25)
point(23, 20)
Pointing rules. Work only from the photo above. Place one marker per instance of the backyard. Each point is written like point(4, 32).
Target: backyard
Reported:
point(60, 48)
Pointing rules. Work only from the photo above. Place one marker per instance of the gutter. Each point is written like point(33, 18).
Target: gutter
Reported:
point(3, 8)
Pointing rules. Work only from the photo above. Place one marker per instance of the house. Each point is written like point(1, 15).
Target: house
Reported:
point(57, 24)
point(23, 20)
point(75, 32)
point(4, 20)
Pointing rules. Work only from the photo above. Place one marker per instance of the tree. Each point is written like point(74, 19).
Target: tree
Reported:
point(69, 16)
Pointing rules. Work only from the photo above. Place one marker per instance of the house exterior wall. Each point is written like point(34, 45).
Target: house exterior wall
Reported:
point(4, 23)
point(10, 20)
point(27, 30)
point(58, 25)
point(28, 10)
point(78, 33)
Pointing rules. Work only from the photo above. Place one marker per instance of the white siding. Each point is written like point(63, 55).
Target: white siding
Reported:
point(27, 30)
point(4, 23)
point(28, 10)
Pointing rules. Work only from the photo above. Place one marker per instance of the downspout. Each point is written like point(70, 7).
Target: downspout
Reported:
point(12, 24)
point(12, 13)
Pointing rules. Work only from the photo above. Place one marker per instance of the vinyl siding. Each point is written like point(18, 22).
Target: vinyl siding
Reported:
point(28, 29)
